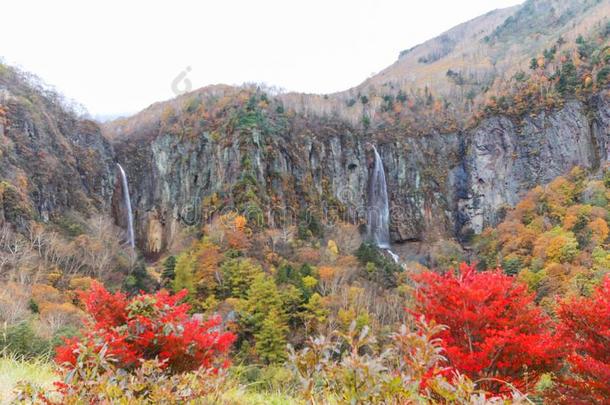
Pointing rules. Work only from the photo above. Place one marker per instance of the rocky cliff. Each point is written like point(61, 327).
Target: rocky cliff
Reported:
point(275, 167)
point(51, 162)
point(465, 124)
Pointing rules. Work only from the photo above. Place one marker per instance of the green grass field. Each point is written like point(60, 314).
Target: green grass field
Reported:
point(13, 370)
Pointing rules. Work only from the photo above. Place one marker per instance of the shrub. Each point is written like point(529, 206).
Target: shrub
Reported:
point(351, 368)
point(97, 380)
point(146, 327)
point(384, 269)
point(495, 330)
point(585, 327)
point(21, 340)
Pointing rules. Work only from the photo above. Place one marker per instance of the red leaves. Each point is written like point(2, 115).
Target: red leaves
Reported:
point(145, 327)
point(585, 329)
point(105, 308)
point(495, 330)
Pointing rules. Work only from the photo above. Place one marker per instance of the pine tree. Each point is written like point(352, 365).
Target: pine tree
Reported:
point(568, 78)
point(315, 313)
point(263, 297)
point(238, 276)
point(265, 319)
point(184, 278)
point(271, 339)
point(169, 273)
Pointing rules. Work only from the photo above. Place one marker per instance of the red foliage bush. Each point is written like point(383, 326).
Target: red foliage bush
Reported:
point(495, 330)
point(585, 329)
point(146, 327)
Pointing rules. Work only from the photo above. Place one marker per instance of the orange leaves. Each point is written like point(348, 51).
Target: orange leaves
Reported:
point(599, 230)
point(230, 230)
point(45, 293)
point(240, 223)
point(237, 240)
point(207, 261)
point(309, 255)
point(326, 273)
point(558, 233)
point(55, 308)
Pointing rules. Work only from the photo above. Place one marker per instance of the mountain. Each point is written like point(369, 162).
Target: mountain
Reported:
point(465, 123)
point(51, 161)
point(452, 166)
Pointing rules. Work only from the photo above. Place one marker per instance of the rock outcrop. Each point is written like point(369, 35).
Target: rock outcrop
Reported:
point(440, 185)
point(51, 162)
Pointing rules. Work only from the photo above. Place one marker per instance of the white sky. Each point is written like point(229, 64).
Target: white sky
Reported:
point(120, 56)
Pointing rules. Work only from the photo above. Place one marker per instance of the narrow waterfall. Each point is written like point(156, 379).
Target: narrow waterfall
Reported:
point(378, 224)
point(127, 202)
point(379, 208)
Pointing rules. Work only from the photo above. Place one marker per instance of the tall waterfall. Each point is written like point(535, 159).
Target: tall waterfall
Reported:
point(378, 225)
point(127, 202)
point(379, 208)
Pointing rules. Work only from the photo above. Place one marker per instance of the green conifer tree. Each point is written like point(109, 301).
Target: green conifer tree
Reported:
point(169, 273)
point(271, 339)
point(184, 277)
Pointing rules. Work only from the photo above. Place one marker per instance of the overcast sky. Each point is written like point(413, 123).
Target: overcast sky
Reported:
point(120, 56)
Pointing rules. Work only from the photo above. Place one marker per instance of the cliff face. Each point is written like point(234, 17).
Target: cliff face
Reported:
point(503, 159)
point(440, 185)
point(282, 169)
point(50, 161)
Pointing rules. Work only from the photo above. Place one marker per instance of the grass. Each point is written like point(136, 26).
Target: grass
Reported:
point(14, 369)
point(40, 372)
point(239, 396)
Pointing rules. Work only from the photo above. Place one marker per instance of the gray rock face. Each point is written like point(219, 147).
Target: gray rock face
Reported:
point(52, 161)
point(438, 185)
point(503, 160)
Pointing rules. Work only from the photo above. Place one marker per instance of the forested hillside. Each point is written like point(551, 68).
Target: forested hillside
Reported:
point(253, 275)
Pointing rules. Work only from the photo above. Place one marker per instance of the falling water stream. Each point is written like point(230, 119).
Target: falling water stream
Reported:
point(379, 208)
point(127, 202)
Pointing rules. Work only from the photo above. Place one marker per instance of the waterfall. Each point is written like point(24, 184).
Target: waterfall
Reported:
point(378, 224)
point(379, 208)
point(127, 202)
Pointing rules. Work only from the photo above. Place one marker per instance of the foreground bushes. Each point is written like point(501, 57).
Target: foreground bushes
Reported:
point(352, 369)
point(496, 334)
point(146, 327)
point(585, 329)
point(497, 347)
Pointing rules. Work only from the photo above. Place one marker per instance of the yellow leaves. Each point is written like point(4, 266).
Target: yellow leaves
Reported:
point(556, 246)
point(531, 278)
point(44, 292)
point(263, 104)
point(22, 182)
point(79, 283)
point(310, 282)
point(332, 247)
point(560, 194)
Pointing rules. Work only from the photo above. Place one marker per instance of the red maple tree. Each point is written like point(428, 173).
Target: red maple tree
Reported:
point(585, 329)
point(146, 326)
point(496, 333)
